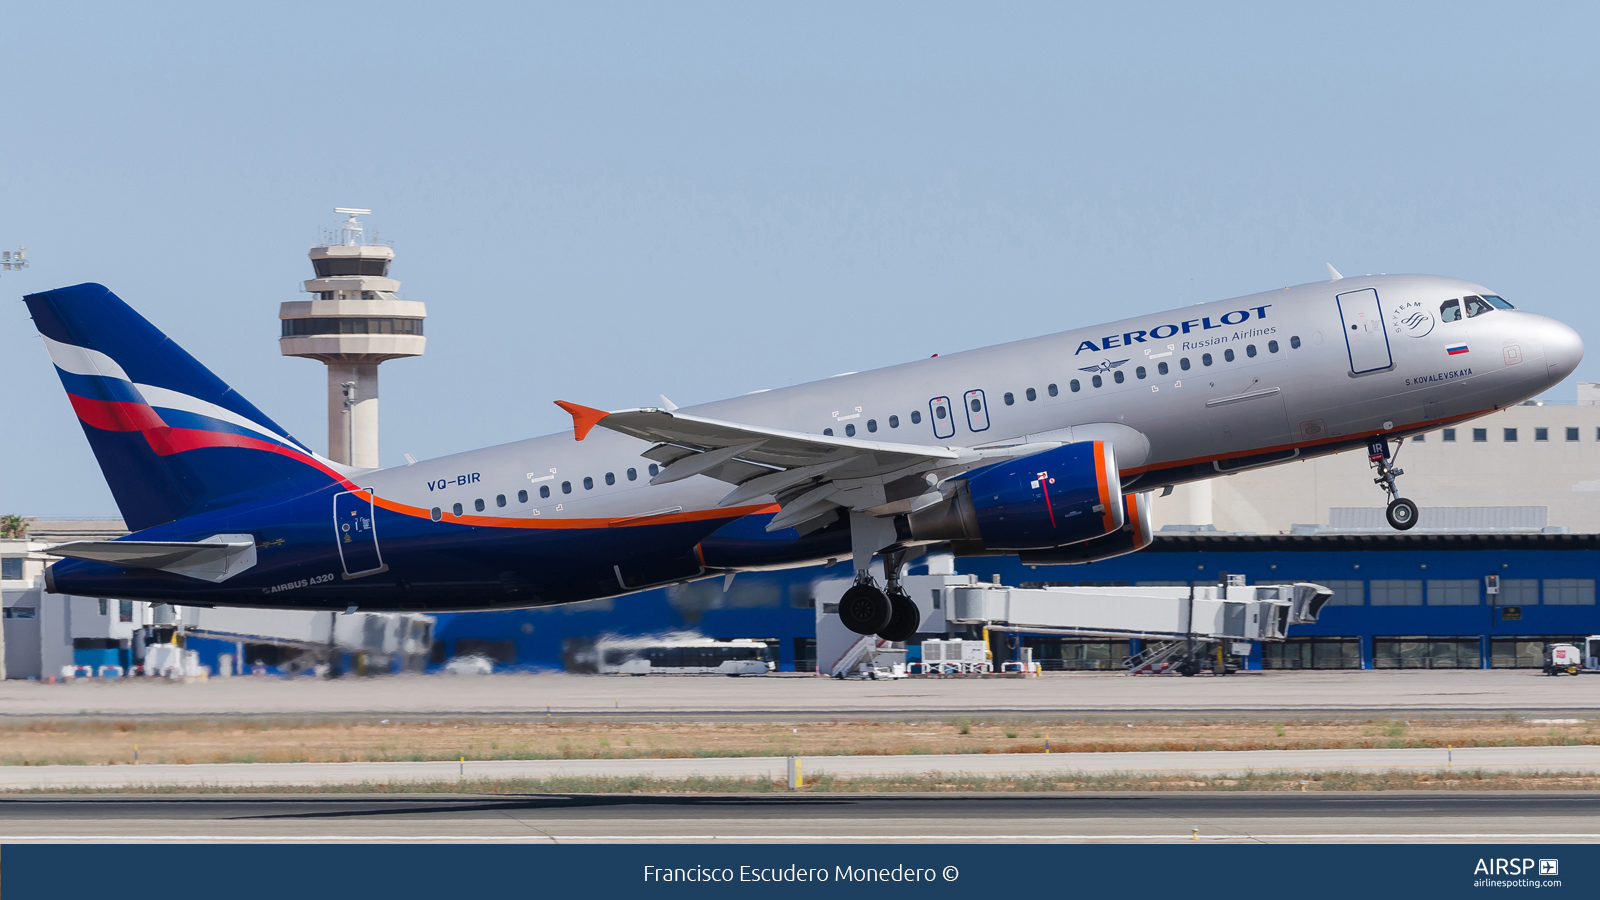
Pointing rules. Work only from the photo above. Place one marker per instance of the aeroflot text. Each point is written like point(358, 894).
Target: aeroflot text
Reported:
point(1162, 332)
point(772, 874)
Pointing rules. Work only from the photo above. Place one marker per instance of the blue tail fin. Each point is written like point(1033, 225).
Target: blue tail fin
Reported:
point(172, 439)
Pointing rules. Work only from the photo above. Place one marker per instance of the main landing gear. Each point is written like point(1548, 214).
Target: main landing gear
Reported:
point(1402, 513)
point(890, 613)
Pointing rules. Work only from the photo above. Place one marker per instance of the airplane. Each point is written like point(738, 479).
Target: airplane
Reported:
point(1049, 448)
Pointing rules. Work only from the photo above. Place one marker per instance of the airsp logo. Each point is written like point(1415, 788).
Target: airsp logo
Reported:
point(1411, 318)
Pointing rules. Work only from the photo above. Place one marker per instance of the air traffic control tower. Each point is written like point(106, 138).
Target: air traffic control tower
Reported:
point(353, 322)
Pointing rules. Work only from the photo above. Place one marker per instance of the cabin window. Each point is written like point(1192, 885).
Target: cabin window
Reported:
point(850, 430)
point(1052, 390)
point(544, 491)
point(1205, 359)
point(1074, 385)
point(588, 483)
point(522, 496)
point(633, 474)
point(1250, 350)
point(654, 470)
point(611, 478)
point(1118, 377)
point(1227, 355)
point(499, 499)
point(916, 417)
point(1161, 368)
point(456, 509)
point(872, 425)
point(1294, 342)
point(828, 432)
point(566, 487)
point(478, 504)
point(435, 514)
point(977, 405)
point(1097, 381)
point(1272, 346)
point(894, 421)
point(938, 411)
point(1139, 373)
point(1184, 363)
point(1032, 395)
point(1010, 400)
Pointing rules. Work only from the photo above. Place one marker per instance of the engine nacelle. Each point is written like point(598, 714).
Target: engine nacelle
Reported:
point(1135, 534)
point(1062, 496)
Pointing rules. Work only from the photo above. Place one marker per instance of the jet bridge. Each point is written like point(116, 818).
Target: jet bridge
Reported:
point(1180, 625)
point(1236, 612)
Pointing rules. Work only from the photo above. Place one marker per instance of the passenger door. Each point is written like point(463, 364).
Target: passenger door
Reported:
point(354, 531)
point(1365, 338)
point(944, 424)
point(977, 410)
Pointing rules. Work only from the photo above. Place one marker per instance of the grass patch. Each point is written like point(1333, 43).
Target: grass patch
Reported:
point(1444, 780)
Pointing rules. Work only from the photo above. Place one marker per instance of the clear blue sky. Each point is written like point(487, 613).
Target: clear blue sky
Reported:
point(603, 203)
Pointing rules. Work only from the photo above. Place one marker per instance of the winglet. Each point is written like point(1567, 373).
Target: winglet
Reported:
point(583, 418)
point(1333, 274)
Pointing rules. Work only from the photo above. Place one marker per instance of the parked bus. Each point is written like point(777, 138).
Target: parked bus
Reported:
point(681, 656)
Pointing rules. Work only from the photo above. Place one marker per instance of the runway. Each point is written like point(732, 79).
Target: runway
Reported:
point(1462, 692)
point(1225, 763)
point(842, 818)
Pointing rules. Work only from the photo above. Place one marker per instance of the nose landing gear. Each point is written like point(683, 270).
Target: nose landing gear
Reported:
point(1402, 513)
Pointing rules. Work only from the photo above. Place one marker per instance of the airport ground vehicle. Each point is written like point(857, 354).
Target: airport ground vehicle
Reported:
point(681, 656)
point(1570, 659)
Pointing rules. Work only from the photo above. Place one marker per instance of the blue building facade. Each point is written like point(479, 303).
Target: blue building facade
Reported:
point(1400, 601)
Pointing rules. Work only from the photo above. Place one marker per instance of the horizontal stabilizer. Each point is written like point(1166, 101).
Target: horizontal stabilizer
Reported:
point(215, 559)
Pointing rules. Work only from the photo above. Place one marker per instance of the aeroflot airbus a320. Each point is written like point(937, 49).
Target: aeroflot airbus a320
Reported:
point(1048, 448)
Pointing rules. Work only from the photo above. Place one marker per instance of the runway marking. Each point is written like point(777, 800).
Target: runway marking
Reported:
point(135, 837)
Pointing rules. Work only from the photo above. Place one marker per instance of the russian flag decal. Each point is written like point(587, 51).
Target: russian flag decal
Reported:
point(1455, 349)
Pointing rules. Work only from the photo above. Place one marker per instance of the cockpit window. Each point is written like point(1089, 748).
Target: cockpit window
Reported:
point(1497, 302)
point(1450, 311)
point(1477, 306)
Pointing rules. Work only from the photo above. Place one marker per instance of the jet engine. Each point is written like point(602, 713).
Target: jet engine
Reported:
point(1062, 496)
point(1135, 534)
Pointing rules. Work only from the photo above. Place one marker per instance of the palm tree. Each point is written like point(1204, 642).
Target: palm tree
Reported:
point(13, 527)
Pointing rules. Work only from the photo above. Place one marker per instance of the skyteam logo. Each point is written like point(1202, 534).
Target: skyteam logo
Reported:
point(1105, 365)
point(1412, 319)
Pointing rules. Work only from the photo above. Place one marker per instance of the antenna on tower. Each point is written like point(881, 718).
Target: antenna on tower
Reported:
point(14, 261)
point(350, 229)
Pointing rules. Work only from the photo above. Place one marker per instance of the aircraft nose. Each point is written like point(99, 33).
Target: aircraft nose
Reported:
point(1563, 349)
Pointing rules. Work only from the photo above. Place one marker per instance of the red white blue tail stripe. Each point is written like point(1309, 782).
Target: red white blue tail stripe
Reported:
point(172, 438)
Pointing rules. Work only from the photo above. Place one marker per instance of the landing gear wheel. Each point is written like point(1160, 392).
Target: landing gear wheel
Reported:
point(903, 619)
point(1402, 514)
point(865, 610)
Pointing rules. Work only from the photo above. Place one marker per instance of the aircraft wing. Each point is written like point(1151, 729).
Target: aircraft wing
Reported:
point(214, 559)
point(809, 474)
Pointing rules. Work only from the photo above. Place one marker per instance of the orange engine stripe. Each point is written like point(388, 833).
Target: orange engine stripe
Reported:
point(1108, 515)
